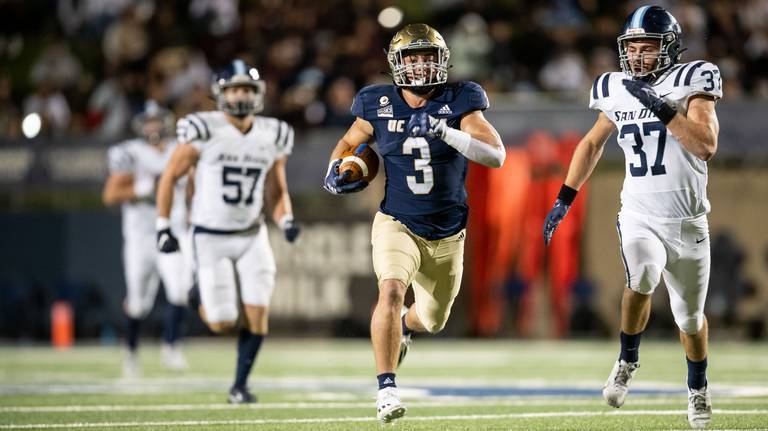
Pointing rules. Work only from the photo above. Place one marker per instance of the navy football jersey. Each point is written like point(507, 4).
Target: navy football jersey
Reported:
point(425, 177)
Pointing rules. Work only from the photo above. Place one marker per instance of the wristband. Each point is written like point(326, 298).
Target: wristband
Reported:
point(162, 223)
point(284, 220)
point(567, 194)
point(665, 113)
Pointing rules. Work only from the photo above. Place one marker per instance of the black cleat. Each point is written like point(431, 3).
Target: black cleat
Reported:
point(241, 396)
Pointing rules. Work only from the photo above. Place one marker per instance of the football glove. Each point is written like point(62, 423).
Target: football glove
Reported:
point(562, 204)
point(555, 216)
point(290, 228)
point(648, 97)
point(336, 184)
point(166, 241)
point(423, 125)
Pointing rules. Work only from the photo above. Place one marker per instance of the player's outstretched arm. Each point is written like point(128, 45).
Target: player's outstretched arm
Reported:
point(278, 201)
point(697, 130)
point(183, 158)
point(123, 187)
point(359, 132)
point(584, 160)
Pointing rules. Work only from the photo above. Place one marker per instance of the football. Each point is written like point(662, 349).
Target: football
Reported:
point(362, 161)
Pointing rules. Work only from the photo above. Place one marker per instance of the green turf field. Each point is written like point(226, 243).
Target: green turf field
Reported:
point(330, 385)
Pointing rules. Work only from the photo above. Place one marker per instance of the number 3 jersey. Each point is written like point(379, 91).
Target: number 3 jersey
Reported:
point(231, 169)
point(663, 179)
point(425, 176)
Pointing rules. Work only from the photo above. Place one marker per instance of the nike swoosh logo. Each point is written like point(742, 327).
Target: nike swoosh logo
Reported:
point(699, 241)
point(665, 95)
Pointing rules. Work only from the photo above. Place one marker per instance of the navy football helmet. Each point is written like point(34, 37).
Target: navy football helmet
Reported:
point(238, 74)
point(651, 22)
point(152, 111)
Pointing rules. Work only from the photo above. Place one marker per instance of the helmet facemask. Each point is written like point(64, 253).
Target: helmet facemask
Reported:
point(419, 74)
point(668, 54)
point(427, 47)
point(240, 108)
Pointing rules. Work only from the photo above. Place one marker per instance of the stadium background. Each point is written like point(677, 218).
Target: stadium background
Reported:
point(85, 67)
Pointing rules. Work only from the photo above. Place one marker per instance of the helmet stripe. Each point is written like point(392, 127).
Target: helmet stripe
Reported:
point(239, 67)
point(637, 17)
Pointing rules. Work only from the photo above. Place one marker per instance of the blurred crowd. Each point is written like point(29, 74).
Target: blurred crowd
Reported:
point(86, 66)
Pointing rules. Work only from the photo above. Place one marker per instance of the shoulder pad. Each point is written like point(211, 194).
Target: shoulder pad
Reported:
point(283, 138)
point(601, 90)
point(371, 98)
point(700, 77)
point(474, 96)
point(120, 159)
point(192, 127)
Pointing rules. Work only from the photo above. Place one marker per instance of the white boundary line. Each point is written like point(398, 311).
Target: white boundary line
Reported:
point(344, 405)
point(74, 425)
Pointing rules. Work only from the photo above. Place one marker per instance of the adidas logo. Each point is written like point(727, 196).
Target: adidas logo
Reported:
point(387, 381)
point(461, 236)
point(445, 110)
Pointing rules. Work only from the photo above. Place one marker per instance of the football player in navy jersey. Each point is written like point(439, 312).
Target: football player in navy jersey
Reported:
point(426, 131)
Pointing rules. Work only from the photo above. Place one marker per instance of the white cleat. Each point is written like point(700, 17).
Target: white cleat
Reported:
point(389, 408)
point(699, 407)
point(617, 385)
point(131, 366)
point(405, 340)
point(172, 358)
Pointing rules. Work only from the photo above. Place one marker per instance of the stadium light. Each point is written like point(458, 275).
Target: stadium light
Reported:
point(390, 17)
point(31, 125)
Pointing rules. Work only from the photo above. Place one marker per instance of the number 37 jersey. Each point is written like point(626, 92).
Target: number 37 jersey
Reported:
point(663, 179)
point(231, 170)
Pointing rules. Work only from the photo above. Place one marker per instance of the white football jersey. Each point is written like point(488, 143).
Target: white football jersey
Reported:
point(662, 178)
point(230, 173)
point(145, 161)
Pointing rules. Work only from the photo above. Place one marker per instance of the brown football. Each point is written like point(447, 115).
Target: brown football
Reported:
point(362, 161)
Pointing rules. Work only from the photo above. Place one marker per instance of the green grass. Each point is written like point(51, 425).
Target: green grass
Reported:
point(329, 385)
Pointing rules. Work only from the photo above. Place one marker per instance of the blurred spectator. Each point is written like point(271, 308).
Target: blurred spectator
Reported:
point(339, 96)
point(110, 108)
point(126, 40)
point(10, 120)
point(470, 46)
point(52, 106)
point(302, 48)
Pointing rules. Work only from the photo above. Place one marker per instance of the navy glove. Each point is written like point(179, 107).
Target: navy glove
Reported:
point(423, 125)
point(648, 97)
point(559, 210)
point(555, 216)
point(336, 184)
point(166, 241)
point(291, 230)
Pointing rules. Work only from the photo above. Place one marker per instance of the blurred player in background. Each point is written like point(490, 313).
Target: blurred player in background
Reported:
point(426, 131)
point(665, 115)
point(134, 168)
point(239, 163)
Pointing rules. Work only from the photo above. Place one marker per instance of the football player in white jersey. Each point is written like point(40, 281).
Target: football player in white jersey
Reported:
point(664, 112)
point(239, 163)
point(135, 166)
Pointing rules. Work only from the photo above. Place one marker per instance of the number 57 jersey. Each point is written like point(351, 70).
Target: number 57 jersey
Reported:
point(663, 179)
point(232, 167)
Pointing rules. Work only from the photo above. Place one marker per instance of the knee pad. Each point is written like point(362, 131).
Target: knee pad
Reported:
point(648, 278)
point(690, 324)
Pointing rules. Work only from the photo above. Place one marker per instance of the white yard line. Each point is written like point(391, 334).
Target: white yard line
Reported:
point(450, 402)
point(75, 425)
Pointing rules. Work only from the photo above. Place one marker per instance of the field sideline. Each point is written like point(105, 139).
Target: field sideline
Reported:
point(330, 385)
